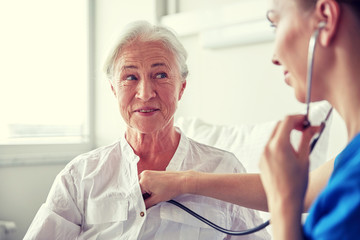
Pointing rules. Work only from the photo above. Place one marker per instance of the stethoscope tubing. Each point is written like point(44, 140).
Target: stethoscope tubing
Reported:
point(218, 228)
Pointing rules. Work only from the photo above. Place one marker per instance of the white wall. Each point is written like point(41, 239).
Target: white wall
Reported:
point(24, 189)
point(232, 85)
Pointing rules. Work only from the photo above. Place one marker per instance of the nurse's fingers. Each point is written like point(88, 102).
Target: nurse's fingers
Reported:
point(151, 201)
point(275, 130)
point(158, 186)
point(145, 182)
point(307, 136)
point(282, 135)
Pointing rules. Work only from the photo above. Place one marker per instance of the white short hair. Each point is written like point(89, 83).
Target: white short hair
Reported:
point(144, 31)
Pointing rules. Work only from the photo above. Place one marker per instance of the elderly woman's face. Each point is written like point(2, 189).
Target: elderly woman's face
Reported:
point(148, 86)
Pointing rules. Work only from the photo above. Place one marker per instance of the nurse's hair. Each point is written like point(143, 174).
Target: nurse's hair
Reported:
point(354, 5)
point(145, 32)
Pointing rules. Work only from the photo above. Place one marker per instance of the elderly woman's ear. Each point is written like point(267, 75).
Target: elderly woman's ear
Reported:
point(183, 86)
point(112, 88)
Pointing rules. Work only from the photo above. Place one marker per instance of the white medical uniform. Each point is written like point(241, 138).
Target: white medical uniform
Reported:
point(97, 196)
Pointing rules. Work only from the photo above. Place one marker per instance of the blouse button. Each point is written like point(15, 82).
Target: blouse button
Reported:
point(142, 214)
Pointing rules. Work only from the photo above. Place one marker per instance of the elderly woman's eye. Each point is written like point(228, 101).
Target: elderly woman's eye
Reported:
point(131, 77)
point(161, 75)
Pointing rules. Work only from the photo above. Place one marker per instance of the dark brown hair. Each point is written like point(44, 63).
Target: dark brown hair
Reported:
point(354, 5)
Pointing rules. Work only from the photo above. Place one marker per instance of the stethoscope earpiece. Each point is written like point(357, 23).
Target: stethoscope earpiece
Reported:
point(321, 24)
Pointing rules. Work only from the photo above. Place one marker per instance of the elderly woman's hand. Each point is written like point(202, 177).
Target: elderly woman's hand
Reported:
point(160, 186)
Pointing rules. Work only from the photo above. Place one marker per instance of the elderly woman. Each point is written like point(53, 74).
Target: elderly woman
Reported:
point(98, 196)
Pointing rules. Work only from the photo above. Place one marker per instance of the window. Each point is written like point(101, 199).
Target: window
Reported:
point(44, 80)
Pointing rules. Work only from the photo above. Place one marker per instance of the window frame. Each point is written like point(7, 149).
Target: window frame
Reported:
point(59, 153)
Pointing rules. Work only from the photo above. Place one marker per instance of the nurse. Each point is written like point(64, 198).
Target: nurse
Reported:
point(284, 186)
point(284, 171)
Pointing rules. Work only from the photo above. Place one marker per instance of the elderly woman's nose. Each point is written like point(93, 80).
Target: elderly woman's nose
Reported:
point(145, 90)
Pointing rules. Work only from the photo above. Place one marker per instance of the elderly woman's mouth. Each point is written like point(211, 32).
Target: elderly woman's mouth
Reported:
point(147, 110)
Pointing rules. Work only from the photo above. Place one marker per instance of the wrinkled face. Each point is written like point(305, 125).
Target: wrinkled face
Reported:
point(293, 32)
point(148, 86)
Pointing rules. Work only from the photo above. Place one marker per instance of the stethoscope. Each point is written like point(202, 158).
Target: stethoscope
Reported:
point(312, 44)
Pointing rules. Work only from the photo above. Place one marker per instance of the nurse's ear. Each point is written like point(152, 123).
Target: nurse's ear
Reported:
point(328, 11)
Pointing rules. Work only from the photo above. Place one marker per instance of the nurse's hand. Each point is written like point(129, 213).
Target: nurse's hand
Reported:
point(160, 186)
point(284, 170)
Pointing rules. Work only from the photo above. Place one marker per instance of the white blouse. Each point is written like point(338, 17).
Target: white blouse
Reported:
point(97, 196)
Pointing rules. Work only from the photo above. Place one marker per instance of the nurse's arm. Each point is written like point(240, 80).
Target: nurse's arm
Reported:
point(247, 190)
point(238, 188)
point(318, 179)
point(242, 189)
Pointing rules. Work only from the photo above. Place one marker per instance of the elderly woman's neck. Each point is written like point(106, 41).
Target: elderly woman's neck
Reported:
point(153, 145)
